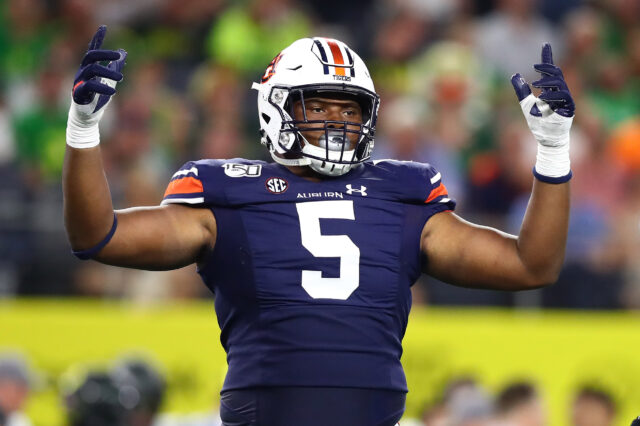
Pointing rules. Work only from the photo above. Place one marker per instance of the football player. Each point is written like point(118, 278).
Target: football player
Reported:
point(312, 256)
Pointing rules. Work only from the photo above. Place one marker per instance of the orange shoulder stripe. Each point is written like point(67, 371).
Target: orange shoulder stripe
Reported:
point(185, 185)
point(437, 192)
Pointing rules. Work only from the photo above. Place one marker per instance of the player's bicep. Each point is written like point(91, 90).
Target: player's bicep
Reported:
point(461, 253)
point(160, 238)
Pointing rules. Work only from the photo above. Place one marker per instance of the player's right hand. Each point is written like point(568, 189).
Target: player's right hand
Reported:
point(95, 83)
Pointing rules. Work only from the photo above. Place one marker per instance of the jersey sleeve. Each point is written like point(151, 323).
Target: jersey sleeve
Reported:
point(437, 196)
point(213, 182)
point(186, 186)
point(421, 183)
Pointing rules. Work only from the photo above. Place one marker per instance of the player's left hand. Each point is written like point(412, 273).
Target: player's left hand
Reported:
point(549, 115)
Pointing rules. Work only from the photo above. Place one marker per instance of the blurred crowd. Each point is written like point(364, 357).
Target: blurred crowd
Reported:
point(131, 391)
point(442, 68)
point(464, 402)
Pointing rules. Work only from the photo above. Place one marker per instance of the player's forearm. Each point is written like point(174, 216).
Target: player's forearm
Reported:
point(543, 235)
point(88, 210)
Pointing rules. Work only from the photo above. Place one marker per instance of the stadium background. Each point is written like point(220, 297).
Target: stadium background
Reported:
point(442, 69)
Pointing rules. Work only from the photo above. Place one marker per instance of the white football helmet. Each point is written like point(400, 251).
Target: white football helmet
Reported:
point(316, 67)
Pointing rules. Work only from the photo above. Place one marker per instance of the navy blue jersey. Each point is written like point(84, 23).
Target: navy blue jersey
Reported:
point(312, 279)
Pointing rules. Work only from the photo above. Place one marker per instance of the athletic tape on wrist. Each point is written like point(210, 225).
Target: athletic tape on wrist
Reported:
point(91, 252)
point(82, 133)
point(553, 164)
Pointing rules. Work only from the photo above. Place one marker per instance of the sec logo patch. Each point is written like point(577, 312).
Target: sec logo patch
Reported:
point(276, 185)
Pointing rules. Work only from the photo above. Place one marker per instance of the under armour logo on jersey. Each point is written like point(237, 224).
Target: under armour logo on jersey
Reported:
point(362, 190)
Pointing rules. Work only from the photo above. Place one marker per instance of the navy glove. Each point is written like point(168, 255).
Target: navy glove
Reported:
point(88, 81)
point(555, 91)
point(93, 86)
point(549, 117)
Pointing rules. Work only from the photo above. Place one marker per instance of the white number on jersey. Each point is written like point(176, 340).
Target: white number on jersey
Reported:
point(320, 245)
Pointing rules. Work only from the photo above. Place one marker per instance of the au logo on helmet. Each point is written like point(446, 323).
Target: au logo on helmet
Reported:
point(271, 69)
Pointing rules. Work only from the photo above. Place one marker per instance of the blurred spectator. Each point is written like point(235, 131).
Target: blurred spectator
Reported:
point(583, 47)
point(450, 78)
point(401, 36)
point(15, 385)
point(129, 394)
point(519, 404)
point(40, 131)
point(7, 142)
point(98, 401)
point(593, 407)
point(139, 377)
point(509, 39)
point(435, 415)
point(25, 37)
point(247, 38)
point(465, 403)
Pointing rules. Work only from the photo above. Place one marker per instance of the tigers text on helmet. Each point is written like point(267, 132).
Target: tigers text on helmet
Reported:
point(316, 67)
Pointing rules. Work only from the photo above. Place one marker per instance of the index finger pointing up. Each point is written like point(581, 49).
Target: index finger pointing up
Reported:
point(97, 39)
point(547, 57)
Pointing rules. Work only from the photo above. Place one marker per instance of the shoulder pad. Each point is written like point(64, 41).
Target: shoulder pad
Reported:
point(421, 182)
point(203, 183)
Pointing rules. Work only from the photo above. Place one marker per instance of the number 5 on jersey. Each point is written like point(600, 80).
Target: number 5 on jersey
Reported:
point(320, 245)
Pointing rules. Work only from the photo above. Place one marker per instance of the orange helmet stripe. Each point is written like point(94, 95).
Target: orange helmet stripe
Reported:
point(337, 56)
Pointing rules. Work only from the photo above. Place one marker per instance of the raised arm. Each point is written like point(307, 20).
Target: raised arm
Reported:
point(469, 255)
point(147, 237)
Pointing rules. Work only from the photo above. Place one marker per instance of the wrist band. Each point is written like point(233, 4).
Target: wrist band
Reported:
point(554, 180)
point(91, 252)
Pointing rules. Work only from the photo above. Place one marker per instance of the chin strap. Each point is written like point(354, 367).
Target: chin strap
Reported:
point(291, 161)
